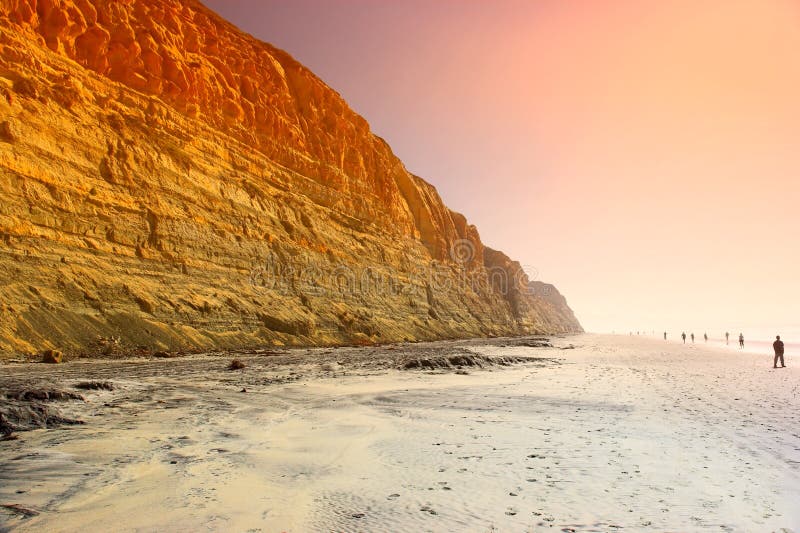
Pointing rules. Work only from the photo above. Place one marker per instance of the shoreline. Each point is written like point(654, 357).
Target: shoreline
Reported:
point(752, 346)
point(612, 433)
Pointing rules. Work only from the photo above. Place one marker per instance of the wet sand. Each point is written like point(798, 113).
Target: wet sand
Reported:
point(617, 433)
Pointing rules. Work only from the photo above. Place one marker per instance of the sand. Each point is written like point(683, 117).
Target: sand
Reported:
point(618, 433)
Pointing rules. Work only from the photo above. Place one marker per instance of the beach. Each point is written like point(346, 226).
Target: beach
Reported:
point(593, 433)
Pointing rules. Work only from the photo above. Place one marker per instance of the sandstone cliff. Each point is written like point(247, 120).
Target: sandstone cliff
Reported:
point(168, 182)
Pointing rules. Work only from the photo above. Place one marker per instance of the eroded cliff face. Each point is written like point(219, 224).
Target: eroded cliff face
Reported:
point(171, 183)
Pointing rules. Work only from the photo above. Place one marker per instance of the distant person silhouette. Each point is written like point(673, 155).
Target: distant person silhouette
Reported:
point(692, 338)
point(727, 338)
point(683, 336)
point(705, 336)
point(665, 335)
point(778, 345)
point(741, 340)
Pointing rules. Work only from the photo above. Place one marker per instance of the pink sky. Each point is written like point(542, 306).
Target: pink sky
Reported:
point(644, 156)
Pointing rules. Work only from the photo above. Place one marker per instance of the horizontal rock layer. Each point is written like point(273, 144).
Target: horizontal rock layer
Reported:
point(168, 182)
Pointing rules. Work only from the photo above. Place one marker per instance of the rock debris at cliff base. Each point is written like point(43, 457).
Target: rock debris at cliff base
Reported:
point(37, 396)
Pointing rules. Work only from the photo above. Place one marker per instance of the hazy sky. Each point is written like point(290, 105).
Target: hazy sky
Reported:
point(644, 156)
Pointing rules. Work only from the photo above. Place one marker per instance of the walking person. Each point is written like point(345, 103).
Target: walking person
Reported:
point(692, 338)
point(778, 346)
point(705, 336)
point(683, 336)
point(741, 340)
point(665, 335)
point(727, 338)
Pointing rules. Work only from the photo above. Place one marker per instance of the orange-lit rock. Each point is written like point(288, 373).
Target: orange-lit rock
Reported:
point(156, 163)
